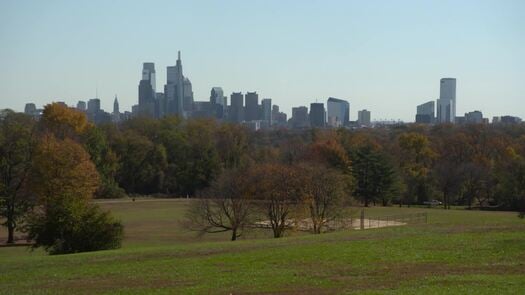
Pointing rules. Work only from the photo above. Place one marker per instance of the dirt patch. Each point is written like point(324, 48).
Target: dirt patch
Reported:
point(105, 283)
point(346, 223)
point(391, 276)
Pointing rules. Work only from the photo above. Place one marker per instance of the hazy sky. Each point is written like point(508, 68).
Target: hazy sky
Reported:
point(385, 56)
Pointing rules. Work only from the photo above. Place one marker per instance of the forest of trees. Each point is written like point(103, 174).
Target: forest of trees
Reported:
point(54, 166)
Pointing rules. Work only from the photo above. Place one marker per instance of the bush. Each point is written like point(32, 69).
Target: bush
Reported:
point(79, 227)
point(110, 190)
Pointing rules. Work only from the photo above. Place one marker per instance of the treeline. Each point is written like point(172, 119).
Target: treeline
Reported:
point(474, 165)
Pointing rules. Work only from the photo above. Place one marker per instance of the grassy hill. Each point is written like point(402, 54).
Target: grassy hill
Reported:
point(456, 252)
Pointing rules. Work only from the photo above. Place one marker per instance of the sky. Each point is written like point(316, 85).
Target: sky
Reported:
point(384, 56)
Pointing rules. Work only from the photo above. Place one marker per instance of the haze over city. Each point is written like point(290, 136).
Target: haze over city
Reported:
point(387, 57)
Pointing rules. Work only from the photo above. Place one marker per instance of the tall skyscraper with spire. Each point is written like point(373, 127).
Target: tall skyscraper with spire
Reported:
point(174, 89)
point(115, 116)
point(115, 106)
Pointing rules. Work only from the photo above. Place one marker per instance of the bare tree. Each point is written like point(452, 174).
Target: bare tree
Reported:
point(225, 206)
point(324, 193)
point(277, 190)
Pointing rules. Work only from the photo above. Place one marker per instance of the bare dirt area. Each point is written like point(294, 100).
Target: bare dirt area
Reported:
point(346, 223)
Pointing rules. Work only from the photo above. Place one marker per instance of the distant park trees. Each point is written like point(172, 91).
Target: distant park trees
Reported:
point(284, 173)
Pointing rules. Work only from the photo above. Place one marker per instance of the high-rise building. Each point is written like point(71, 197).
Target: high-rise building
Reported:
point(426, 113)
point(317, 115)
point(146, 99)
point(338, 112)
point(93, 106)
point(148, 74)
point(363, 118)
point(236, 110)
point(116, 109)
point(160, 105)
point(81, 106)
point(266, 105)
point(115, 116)
point(252, 106)
point(445, 111)
point(300, 117)
point(217, 95)
point(446, 104)
point(475, 117)
point(278, 118)
point(147, 87)
point(188, 96)
point(218, 102)
point(174, 89)
point(30, 109)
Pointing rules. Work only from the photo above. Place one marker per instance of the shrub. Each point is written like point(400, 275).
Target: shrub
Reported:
point(79, 227)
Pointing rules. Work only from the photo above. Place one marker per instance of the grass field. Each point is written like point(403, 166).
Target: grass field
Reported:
point(461, 252)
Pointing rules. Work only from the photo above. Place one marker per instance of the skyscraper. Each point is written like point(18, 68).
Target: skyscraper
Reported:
point(317, 115)
point(300, 117)
point(266, 105)
point(236, 111)
point(30, 109)
point(218, 102)
point(160, 105)
point(363, 118)
point(147, 87)
point(93, 106)
point(174, 89)
point(188, 95)
point(116, 109)
point(252, 106)
point(446, 104)
point(426, 113)
point(81, 105)
point(115, 116)
point(148, 74)
point(445, 111)
point(217, 95)
point(338, 112)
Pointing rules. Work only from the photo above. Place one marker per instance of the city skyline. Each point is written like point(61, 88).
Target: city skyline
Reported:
point(97, 47)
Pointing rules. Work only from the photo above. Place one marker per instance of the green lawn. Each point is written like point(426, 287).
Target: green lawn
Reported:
point(461, 252)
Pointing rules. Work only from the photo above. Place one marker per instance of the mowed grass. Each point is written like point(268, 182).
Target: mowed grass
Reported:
point(461, 252)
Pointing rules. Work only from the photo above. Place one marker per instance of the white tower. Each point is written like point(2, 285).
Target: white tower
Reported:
point(446, 104)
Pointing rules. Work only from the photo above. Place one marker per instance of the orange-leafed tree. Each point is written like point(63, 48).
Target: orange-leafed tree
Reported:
point(64, 179)
point(63, 121)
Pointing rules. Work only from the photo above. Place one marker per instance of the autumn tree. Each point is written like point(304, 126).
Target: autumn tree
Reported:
point(324, 194)
point(416, 161)
point(17, 142)
point(454, 152)
point(64, 180)
point(63, 121)
point(277, 188)
point(225, 206)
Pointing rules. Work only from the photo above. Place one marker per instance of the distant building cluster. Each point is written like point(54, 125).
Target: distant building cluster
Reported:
point(444, 109)
point(245, 108)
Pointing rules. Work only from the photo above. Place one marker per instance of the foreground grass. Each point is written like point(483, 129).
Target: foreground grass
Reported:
point(457, 252)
